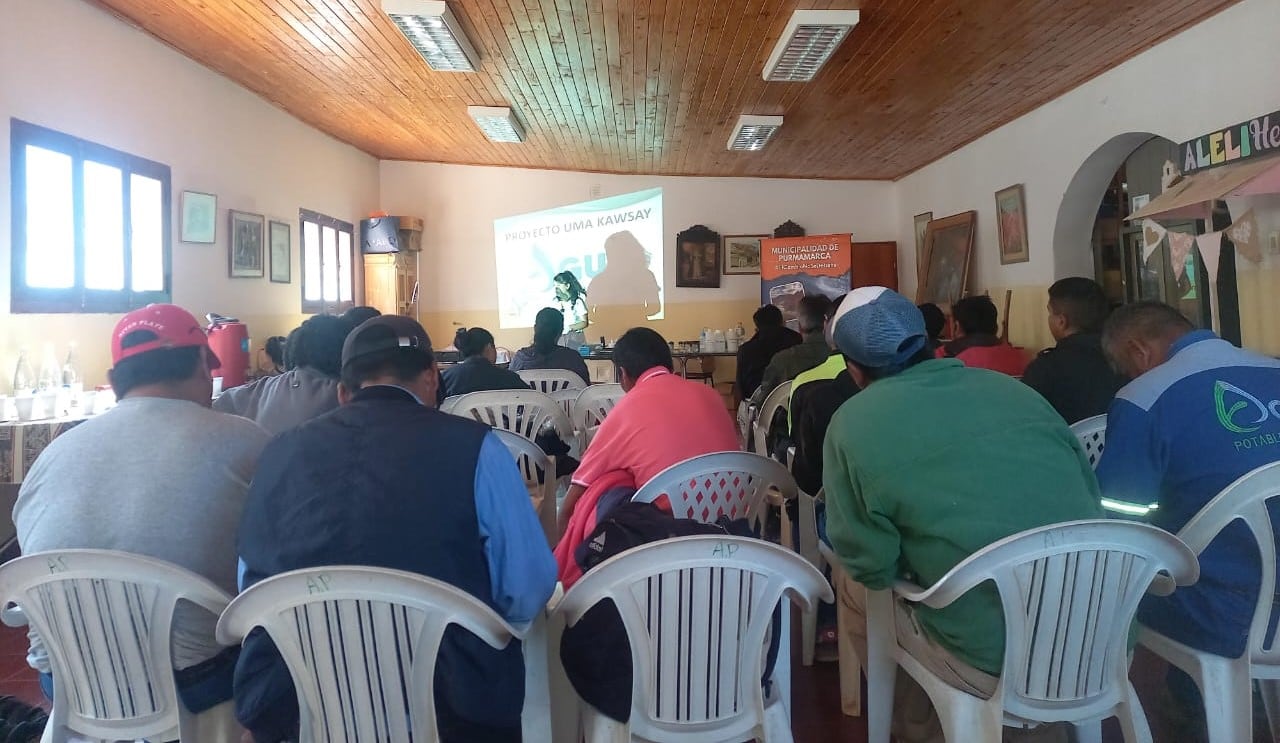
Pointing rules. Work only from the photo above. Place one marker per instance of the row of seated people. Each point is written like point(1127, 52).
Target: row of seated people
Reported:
point(380, 479)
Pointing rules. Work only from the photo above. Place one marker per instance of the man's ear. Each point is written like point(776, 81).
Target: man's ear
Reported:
point(344, 394)
point(431, 384)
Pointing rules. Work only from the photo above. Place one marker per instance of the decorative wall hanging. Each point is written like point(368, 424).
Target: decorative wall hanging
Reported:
point(788, 229)
point(741, 253)
point(245, 252)
point(199, 217)
point(921, 223)
point(698, 258)
point(281, 253)
point(1011, 218)
point(948, 246)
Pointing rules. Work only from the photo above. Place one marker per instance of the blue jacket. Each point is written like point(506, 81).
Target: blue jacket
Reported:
point(384, 481)
point(1178, 435)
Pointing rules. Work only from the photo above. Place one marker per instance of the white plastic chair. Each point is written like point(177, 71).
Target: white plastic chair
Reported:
point(547, 381)
point(590, 409)
point(1225, 683)
point(775, 400)
point(1069, 593)
point(728, 483)
point(807, 546)
point(522, 412)
point(697, 612)
point(1092, 433)
point(105, 619)
point(361, 646)
point(539, 473)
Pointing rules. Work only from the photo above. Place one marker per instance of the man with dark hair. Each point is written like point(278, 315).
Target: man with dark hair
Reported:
point(662, 419)
point(813, 350)
point(906, 500)
point(977, 342)
point(935, 322)
point(1198, 414)
point(307, 390)
point(159, 475)
point(754, 355)
point(358, 314)
point(387, 481)
point(1074, 375)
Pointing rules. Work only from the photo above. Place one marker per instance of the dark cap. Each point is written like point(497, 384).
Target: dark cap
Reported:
point(385, 333)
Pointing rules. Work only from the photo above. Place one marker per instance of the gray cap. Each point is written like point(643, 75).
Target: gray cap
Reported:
point(878, 328)
point(385, 333)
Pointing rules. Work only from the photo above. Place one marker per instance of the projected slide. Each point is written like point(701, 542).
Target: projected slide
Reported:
point(613, 246)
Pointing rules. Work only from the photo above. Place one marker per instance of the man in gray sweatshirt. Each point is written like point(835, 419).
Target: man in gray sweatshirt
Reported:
point(159, 475)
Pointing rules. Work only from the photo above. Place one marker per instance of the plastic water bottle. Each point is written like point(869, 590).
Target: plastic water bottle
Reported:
point(50, 371)
point(704, 341)
point(70, 371)
point(24, 380)
point(717, 341)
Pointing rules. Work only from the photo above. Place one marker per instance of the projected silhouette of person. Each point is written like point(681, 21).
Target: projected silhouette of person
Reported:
point(626, 286)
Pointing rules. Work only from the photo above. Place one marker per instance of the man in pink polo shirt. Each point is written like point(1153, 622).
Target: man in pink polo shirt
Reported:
point(662, 420)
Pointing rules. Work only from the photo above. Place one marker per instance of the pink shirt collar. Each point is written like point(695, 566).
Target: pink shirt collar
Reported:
point(656, 371)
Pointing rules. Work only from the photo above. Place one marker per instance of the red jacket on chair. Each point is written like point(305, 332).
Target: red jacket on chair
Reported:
point(986, 352)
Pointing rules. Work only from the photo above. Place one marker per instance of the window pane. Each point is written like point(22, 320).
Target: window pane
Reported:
point(146, 215)
point(344, 267)
point(103, 227)
point(329, 263)
point(311, 261)
point(50, 248)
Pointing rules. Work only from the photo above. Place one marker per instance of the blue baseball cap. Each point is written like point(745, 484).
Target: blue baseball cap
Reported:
point(878, 328)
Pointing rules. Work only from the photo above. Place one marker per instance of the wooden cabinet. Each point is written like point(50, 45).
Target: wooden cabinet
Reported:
point(391, 283)
point(875, 264)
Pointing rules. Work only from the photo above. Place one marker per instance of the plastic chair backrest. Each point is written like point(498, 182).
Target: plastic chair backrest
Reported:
point(696, 611)
point(1246, 499)
point(1092, 433)
point(523, 412)
point(551, 380)
point(105, 618)
point(539, 477)
point(727, 483)
point(1069, 593)
point(361, 645)
point(594, 403)
point(779, 398)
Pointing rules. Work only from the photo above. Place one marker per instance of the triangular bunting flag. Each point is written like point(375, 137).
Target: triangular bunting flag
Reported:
point(1179, 246)
point(1244, 233)
point(1152, 234)
point(1210, 246)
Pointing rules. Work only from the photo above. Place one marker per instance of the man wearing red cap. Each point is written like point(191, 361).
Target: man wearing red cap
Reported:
point(159, 475)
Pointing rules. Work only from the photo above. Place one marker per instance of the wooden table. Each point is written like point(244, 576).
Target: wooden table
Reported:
point(680, 357)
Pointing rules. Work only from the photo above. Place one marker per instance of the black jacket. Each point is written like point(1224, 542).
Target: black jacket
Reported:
point(812, 407)
point(1074, 377)
point(755, 355)
point(476, 374)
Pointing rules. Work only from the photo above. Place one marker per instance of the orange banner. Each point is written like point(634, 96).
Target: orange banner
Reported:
point(795, 267)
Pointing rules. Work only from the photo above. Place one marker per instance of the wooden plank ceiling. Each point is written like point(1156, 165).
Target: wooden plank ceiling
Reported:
point(655, 86)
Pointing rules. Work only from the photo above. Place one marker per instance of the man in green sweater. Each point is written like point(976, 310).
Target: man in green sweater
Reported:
point(930, 463)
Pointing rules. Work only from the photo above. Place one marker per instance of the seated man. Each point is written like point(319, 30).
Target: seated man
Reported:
point(935, 323)
point(812, 351)
point(1074, 375)
point(977, 343)
point(310, 387)
point(159, 475)
point(1198, 415)
point(478, 371)
point(825, 371)
point(386, 480)
point(929, 463)
point(545, 352)
point(662, 420)
point(754, 355)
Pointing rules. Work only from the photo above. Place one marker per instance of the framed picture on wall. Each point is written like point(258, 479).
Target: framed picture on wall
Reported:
point(948, 245)
point(921, 221)
point(741, 253)
point(1011, 217)
point(245, 252)
point(698, 258)
point(199, 215)
point(281, 252)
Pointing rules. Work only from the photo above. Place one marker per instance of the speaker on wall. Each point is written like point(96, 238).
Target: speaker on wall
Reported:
point(380, 235)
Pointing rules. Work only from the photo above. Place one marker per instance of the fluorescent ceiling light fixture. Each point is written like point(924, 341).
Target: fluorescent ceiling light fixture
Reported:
point(808, 41)
point(497, 123)
point(434, 32)
point(754, 132)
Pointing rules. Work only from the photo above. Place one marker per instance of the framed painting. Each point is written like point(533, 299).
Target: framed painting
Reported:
point(281, 252)
point(199, 216)
point(698, 258)
point(245, 252)
point(921, 222)
point(741, 253)
point(1011, 216)
point(948, 246)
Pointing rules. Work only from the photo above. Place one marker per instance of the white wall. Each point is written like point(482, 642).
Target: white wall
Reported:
point(1220, 72)
point(459, 204)
point(71, 67)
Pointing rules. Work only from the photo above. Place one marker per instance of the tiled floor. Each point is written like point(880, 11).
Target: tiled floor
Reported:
point(816, 698)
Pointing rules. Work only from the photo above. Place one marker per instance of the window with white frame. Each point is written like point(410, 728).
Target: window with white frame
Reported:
point(90, 225)
point(327, 254)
